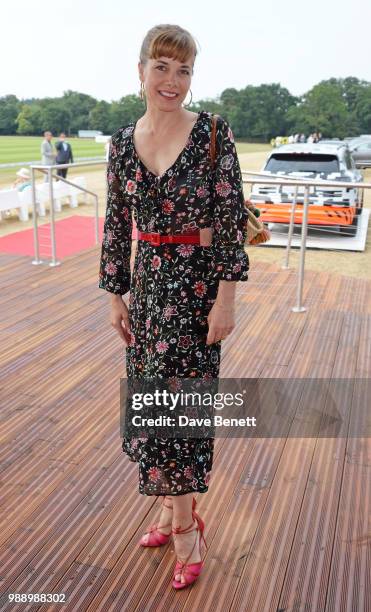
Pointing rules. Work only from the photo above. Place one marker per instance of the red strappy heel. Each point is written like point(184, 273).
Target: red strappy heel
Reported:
point(156, 537)
point(191, 571)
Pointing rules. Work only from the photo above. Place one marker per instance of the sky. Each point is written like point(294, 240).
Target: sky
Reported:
point(92, 46)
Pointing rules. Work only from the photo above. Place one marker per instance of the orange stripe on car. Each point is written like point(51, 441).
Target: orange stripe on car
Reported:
point(317, 215)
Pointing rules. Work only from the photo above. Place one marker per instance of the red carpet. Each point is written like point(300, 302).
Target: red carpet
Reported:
point(73, 234)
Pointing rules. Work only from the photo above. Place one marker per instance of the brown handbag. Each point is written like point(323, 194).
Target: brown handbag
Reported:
point(257, 232)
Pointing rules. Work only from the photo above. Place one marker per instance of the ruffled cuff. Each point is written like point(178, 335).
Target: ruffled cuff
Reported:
point(229, 263)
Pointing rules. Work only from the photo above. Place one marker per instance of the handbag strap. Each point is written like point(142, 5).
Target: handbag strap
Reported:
point(255, 224)
point(214, 119)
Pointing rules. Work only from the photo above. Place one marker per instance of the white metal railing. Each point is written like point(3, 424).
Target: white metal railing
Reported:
point(259, 178)
point(49, 171)
point(269, 179)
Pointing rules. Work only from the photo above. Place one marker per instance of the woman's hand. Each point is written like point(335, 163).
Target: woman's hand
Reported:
point(221, 322)
point(120, 318)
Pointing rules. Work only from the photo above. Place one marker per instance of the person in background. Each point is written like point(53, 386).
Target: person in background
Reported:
point(310, 138)
point(302, 138)
point(64, 154)
point(23, 180)
point(47, 152)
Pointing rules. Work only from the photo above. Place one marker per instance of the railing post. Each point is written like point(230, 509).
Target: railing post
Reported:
point(36, 260)
point(299, 307)
point(291, 230)
point(54, 261)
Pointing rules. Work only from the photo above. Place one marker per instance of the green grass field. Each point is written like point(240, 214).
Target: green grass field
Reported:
point(15, 149)
point(27, 148)
point(252, 147)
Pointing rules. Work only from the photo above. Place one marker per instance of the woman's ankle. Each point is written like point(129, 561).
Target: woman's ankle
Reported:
point(187, 545)
point(183, 521)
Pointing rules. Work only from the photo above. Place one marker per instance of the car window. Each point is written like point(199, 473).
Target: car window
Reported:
point(303, 162)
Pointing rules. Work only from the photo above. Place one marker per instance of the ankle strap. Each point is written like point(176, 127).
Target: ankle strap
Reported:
point(188, 529)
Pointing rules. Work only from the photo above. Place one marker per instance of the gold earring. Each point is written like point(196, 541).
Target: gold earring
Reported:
point(142, 91)
point(190, 102)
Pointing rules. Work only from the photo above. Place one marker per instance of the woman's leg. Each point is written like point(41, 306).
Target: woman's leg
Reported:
point(165, 520)
point(185, 543)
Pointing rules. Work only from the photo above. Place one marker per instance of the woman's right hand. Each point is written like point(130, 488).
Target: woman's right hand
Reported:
point(120, 318)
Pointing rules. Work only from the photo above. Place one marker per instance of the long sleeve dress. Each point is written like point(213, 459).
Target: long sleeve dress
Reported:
point(173, 286)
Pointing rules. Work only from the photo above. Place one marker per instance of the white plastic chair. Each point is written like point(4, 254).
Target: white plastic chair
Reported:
point(25, 197)
point(42, 191)
point(62, 190)
point(9, 198)
point(74, 192)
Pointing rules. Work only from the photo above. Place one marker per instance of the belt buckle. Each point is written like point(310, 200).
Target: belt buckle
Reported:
point(155, 239)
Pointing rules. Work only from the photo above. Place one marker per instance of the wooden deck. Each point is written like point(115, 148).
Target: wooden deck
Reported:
point(287, 519)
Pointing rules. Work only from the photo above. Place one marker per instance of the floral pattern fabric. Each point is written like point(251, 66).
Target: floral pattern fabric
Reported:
point(173, 286)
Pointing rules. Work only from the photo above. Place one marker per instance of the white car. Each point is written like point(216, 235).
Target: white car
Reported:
point(328, 161)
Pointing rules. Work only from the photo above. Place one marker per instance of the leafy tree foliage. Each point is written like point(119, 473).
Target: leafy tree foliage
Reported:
point(10, 107)
point(335, 107)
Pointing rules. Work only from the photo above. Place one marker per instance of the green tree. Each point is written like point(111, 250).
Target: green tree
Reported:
point(229, 98)
point(335, 107)
point(10, 107)
point(207, 104)
point(127, 109)
point(323, 109)
point(55, 117)
point(78, 106)
point(363, 110)
point(257, 112)
point(99, 117)
point(29, 120)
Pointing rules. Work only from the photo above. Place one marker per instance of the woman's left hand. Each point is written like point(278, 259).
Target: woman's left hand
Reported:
point(221, 322)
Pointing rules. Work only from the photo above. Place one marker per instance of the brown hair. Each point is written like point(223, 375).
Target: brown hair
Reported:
point(169, 41)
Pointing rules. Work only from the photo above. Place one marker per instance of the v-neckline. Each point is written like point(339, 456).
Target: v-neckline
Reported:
point(177, 159)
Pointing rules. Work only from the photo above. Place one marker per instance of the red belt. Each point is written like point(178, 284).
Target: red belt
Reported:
point(155, 238)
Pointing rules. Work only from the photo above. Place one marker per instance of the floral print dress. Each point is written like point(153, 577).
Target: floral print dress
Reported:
point(173, 286)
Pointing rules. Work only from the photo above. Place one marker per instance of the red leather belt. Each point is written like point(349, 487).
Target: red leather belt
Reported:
point(155, 238)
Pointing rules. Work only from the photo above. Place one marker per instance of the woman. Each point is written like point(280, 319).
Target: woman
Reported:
point(23, 179)
point(182, 293)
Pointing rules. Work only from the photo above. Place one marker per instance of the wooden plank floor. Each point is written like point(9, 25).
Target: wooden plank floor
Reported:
point(287, 519)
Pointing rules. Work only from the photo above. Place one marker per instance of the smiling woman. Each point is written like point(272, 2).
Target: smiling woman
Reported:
point(165, 71)
point(182, 287)
point(158, 49)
